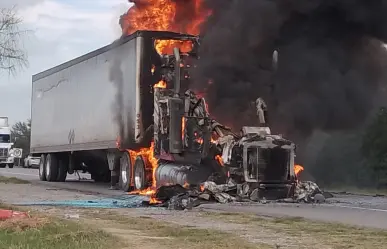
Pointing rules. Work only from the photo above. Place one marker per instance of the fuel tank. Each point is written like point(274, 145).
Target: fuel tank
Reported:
point(172, 173)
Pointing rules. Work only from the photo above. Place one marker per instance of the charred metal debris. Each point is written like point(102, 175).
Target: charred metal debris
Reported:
point(177, 197)
point(251, 166)
point(200, 159)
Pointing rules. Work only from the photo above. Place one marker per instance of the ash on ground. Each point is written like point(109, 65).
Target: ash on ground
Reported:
point(176, 197)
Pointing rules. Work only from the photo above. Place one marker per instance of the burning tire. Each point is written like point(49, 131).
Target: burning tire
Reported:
point(42, 168)
point(125, 172)
point(51, 167)
point(140, 179)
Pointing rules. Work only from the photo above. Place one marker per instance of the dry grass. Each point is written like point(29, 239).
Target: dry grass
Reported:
point(23, 224)
point(12, 180)
point(318, 234)
point(145, 232)
point(40, 232)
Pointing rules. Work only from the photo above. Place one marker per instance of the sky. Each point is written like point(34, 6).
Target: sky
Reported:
point(59, 30)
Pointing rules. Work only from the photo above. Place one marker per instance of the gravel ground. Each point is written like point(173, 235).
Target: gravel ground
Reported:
point(199, 218)
point(17, 193)
point(25, 193)
point(359, 210)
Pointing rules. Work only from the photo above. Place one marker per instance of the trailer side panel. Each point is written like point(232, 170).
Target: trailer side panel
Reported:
point(75, 107)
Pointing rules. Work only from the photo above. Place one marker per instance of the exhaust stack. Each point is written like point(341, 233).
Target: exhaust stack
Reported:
point(176, 52)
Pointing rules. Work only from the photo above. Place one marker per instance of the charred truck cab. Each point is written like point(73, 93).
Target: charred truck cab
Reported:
point(125, 114)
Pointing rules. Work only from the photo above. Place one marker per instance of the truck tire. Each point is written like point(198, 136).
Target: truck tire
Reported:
point(125, 172)
point(51, 166)
point(2, 165)
point(139, 177)
point(10, 165)
point(62, 170)
point(42, 168)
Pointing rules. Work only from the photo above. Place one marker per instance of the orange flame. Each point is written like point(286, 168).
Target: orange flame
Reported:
point(219, 159)
point(148, 155)
point(161, 84)
point(153, 69)
point(165, 15)
point(167, 46)
point(298, 169)
point(153, 200)
point(182, 127)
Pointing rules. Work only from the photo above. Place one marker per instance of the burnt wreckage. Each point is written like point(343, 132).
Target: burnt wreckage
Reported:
point(254, 160)
point(165, 133)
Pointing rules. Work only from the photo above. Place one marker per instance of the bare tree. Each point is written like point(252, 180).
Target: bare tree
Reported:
point(12, 55)
point(21, 134)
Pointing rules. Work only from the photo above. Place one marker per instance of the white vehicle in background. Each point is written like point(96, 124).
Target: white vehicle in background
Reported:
point(6, 159)
point(31, 161)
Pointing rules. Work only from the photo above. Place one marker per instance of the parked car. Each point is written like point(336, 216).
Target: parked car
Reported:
point(31, 161)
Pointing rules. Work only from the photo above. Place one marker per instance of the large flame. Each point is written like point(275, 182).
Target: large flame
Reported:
point(148, 155)
point(181, 16)
point(298, 169)
point(161, 84)
point(167, 46)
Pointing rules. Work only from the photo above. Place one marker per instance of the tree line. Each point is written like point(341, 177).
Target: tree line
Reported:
point(354, 158)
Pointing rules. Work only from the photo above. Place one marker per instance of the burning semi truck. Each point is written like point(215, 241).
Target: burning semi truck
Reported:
point(125, 114)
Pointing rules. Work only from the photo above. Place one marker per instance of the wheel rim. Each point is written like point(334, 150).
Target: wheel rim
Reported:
point(125, 165)
point(41, 167)
point(124, 172)
point(48, 166)
point(139, 174)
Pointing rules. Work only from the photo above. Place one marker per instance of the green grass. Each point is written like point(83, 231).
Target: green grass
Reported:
point(12, 180)
point(49, 233)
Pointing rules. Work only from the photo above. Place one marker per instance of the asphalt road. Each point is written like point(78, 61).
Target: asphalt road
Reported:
point(355, 210)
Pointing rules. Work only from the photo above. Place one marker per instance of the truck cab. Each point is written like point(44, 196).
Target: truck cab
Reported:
point(5, 144)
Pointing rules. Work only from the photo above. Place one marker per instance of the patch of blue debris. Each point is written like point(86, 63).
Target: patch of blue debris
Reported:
point(127, 201)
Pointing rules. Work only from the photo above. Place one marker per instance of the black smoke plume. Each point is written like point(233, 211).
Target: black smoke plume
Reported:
point(331, 64)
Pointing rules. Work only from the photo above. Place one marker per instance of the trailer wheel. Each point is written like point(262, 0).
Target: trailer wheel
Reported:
point(125, 172)
point(51, 168)
point(62, 169)
point(42, 168)
point(139, 174)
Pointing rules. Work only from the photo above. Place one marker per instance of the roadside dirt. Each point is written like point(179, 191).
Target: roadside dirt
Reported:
point(160, 228)
point(22, 193)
